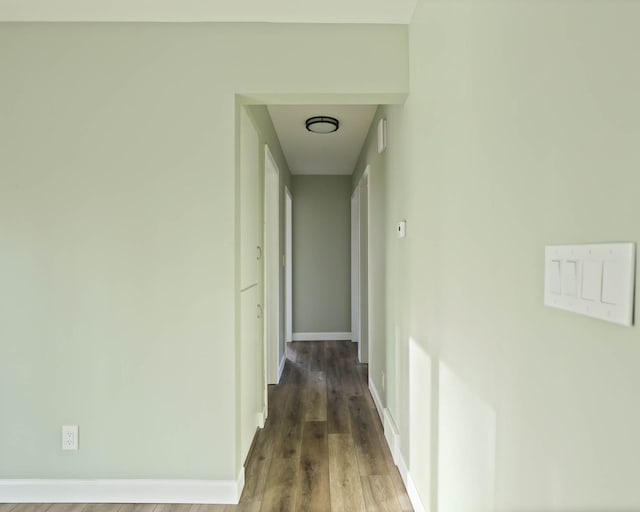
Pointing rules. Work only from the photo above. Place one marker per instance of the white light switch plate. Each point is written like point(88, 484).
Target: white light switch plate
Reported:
point(596, 280)
point(402, 229)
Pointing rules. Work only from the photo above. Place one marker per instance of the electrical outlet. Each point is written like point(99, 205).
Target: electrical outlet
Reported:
point(69, 437)
point(383, 382)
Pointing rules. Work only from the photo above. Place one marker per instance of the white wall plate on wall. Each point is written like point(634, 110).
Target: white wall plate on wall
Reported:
point(401, 229)
point(596, 280)
point(382, 135)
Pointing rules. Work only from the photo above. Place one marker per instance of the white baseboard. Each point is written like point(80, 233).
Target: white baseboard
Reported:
point(392, 435)
point(281, 367)
point(393, 440)
point(414, 497)
point(322, 336)
point(402, 467)
point(376, 399)
point(122, 491)
point(239, 486)
point(262, 418)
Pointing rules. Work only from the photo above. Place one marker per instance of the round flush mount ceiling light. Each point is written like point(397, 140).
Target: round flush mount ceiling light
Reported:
point(322, 124)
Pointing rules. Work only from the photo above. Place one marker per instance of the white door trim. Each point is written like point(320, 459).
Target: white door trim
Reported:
point(364, 322)
point(288, 267)
point(355, 265)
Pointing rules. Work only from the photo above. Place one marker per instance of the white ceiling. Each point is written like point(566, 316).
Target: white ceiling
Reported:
point(284, 11)
point(314, 153)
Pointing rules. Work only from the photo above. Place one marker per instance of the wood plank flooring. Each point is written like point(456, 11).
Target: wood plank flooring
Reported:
point(322, 448)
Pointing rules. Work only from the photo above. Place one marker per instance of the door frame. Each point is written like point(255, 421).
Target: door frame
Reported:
point(288, 265)
point(355, 265)
point(360, 296)
point(271, 268)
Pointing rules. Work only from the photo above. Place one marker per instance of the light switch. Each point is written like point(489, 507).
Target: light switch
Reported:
point(570, 278)
point(591, 280)
point(612, 288)
point(555, 277)
point(596, 280)
point(402, 229)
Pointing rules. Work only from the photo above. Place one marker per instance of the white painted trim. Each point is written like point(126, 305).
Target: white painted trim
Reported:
point(376, 399)
point(281, 367)
point(414, 497)
point(261, 418)
point(122, 491)
point(265, 409)
point(393, 440)
point(364, 300)
point(288, 264)
point(239, 485)
point(402, 467)
point(392, 435)
point(355, 265)
point(321, 336)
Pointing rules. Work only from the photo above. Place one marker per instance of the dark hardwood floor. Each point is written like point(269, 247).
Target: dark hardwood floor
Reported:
point(322, 448)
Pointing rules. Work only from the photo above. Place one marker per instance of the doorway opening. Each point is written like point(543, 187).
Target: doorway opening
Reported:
point(330, 299)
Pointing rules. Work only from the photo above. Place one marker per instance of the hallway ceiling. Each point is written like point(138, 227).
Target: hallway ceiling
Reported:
point(277, 11)
point(312, 153)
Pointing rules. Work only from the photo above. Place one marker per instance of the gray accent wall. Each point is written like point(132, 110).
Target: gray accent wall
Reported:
point(321, 253)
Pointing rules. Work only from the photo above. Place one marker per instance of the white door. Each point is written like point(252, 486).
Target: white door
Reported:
point(288, 269)
point(271, 268)
point(355, 266)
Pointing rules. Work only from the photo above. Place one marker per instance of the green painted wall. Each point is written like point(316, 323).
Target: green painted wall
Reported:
point(118, 245)
point(321, 253)
point(520, 130)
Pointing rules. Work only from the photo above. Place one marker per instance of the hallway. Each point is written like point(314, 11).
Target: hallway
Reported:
point(322, 447)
